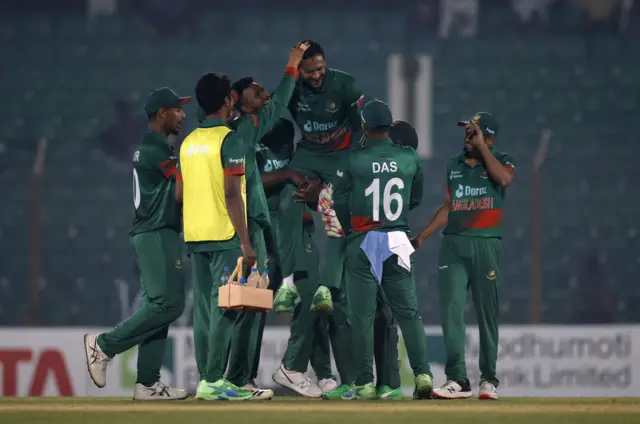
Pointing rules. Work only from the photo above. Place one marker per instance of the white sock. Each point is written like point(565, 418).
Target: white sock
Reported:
point(288, 282)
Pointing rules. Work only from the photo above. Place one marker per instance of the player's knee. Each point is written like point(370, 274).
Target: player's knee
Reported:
point(169, 310)
point(407, 313)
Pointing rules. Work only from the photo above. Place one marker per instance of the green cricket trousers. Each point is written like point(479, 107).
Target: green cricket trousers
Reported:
point(312, 335)
point(398, 286)
point(246, 343)
point(469, 264)
point(213, 327)
point(328, 166)
point(159, 256)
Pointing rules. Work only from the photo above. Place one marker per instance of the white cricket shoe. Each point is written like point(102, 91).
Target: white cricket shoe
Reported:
point(487, 391)
point(327, 384)
point(453, 390)
point(258, 393)
point(159, 391)
point(297, 381)
point(97, 360)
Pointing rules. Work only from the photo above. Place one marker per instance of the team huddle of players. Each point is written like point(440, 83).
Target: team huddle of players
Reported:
point(240, 188)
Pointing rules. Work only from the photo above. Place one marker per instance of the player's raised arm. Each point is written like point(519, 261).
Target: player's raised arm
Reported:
point(280, 98)
point(501, 173)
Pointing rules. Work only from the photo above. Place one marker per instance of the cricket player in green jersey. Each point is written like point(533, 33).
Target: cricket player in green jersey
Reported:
point(470, 252)
point(155, 237)
point(324, 106)
point(258, 115)
point(309, 338)
point(383, 182)
point(213, 186)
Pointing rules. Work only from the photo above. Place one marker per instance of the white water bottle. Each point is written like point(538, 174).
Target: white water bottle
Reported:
point(254, 278)
point(264, 280)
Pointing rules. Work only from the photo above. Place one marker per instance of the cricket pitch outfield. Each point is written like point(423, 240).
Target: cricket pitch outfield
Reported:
point(301, 410)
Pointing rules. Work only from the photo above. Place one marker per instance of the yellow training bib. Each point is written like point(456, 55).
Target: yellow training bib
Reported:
point(204, 209)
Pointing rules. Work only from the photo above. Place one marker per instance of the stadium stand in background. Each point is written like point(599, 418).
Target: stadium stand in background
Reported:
point(79, 80)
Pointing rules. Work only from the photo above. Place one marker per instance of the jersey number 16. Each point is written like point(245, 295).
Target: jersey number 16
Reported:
point(387, 198)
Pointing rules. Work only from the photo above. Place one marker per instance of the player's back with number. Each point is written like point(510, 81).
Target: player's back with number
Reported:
point(154, 168)
point(386, 183)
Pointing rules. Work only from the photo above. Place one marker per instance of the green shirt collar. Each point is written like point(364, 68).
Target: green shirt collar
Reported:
point(210, 123)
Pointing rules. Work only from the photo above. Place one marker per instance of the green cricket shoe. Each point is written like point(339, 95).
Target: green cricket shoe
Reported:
point(366, 392)
point(322, 301)
point(286, 299)
point(222, 390)
point(387, 393)
point(336, 394)
point(202, 387)
point(424, 387)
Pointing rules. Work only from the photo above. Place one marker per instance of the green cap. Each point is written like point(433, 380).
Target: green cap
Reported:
point(375, 114)
point(164, 97)
point(487, 122)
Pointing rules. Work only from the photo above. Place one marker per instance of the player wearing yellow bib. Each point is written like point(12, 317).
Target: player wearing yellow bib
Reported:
point(213, 190)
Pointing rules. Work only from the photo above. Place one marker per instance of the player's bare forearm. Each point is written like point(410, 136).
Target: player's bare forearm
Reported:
point(439, 221)
point(178, 193)
point(498, 172)
point(273, 179)
point(235, 206)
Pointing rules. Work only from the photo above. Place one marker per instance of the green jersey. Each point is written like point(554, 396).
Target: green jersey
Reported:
point(273, 153)
point(252, 128)
point(328, 114)
point(154, 184)
point(384, 181)
point(476, 200)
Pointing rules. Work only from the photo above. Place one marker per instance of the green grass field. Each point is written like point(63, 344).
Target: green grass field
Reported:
point(289, 410)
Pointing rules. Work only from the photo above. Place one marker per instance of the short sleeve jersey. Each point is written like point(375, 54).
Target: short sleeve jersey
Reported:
point(154, 176)
point(476, 200)
point(384, 181)
point(326, 115)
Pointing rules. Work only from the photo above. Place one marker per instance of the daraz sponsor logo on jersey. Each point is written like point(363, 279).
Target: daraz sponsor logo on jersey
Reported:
point(313, 126)
point(275, 164)
point(482, 203)
point(470, 191)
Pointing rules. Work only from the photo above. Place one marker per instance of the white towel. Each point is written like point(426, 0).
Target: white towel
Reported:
point(400, 245)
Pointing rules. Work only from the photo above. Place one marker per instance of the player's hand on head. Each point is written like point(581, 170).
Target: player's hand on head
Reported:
point(474, 134)
point(295, 57)
point(249, 255)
